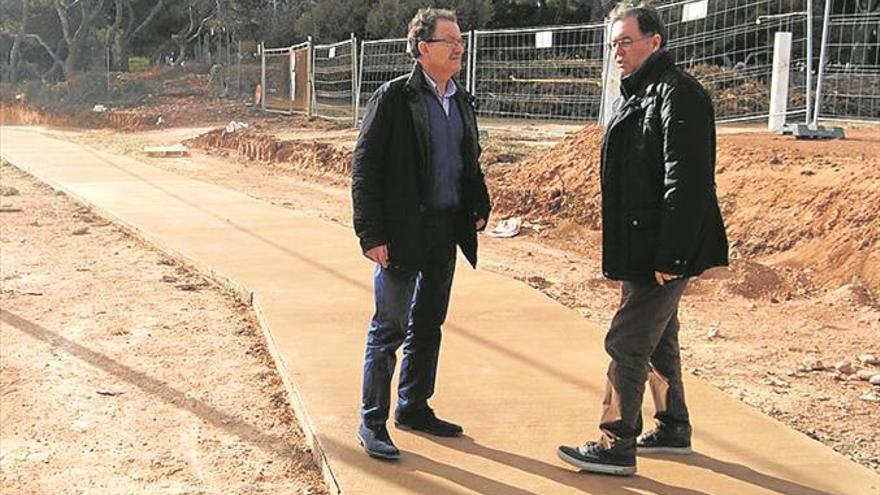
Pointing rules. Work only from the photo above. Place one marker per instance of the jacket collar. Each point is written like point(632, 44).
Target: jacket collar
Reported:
point(646, 74)
point(414, 88)
point(417, 82)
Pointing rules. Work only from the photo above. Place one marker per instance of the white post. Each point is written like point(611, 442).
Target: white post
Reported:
point(310, 96)
point(820, 78)
point(779, 81)
point(355, 91)
point(262, 48)
point(360, 82)
point(809, 61)
point(291, 56)
point(610, 81)
point(472, 76)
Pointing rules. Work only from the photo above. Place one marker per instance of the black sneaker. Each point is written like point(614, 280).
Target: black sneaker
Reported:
point(377, 443)
point(665, 440)
point(426, 421)
point(592, 457)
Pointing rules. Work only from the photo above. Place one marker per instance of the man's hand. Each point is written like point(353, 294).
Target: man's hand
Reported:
point(662, 278)
point(379, 254)
point(480, 224)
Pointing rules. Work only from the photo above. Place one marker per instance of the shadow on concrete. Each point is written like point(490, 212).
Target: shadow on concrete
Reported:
point(161, 390)
point(626, 486)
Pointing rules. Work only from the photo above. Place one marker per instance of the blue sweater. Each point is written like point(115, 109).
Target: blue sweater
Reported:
point(447, 135)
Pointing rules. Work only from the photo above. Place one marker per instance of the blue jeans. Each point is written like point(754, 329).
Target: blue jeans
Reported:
point(411, 306)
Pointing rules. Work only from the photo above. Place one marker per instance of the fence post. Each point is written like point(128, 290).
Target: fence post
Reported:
point(610, 80)
point(825, 20)
point(355, 90)
point(779, 81)
point(809, 103)
point(360, 79)
point(310, 71)
point(262, 48)
point(472, 55)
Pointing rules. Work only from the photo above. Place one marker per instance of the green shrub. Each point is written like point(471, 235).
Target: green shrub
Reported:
point(138, 64)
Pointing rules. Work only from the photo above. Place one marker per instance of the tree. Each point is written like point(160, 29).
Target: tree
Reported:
point(127, 26)
point(199, 12)
point(76, 25)
point(15, 51)
point(35, 24)
point(333, 20)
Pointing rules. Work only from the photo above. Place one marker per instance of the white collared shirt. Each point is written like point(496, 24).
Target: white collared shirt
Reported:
point(444, 99)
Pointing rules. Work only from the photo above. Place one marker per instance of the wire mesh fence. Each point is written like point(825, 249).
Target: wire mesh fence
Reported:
point(384, 60)
point(286, 78)
point(851, 86)
point(276, 80)
point(728, 47)
point(335, 80)
point(546, 73)
point(381, 61)
point(557, 72)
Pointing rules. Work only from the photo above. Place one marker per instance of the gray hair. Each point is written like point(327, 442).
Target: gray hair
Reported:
point(423, 25)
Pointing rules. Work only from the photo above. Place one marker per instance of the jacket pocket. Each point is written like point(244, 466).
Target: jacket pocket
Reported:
point(642, 227)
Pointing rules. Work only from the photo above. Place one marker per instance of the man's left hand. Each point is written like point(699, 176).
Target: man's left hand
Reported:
point(480, 224)
point(662, 278)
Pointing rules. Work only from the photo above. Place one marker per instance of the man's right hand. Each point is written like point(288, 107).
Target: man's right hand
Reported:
point(379, 254)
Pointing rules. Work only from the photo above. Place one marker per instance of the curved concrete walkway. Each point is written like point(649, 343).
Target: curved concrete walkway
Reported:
point(519, 371)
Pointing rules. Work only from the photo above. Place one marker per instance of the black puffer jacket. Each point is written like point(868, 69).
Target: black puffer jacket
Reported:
point(659, 207)
point(391, 168)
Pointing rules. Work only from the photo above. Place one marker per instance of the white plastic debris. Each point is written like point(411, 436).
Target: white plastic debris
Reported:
point(508, 227)
point(99, 108)
point(234, 126)
point(160, 120)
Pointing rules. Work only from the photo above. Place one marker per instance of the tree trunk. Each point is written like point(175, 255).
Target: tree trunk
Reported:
point(15, 52)
point(71, 63)
point(121, 51)
point(76, 40)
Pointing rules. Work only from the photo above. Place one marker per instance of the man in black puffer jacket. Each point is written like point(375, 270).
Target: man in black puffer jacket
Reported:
point(418, 192)
point(661, 224)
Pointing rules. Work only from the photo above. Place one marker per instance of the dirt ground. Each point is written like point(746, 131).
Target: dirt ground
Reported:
point(772, 330)
point(100, 336)
point(790, 328)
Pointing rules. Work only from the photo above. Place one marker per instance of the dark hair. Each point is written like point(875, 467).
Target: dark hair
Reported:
point(423, 25)
point(646, 15)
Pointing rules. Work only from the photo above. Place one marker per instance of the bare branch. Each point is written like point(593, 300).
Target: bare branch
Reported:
point(52, 53)
point(62, 17)
point(152, 15)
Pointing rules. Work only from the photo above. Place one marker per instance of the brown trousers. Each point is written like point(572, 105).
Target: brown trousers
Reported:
point(643, 344)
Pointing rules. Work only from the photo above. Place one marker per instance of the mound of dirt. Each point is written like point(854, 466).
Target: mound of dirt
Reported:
point(16, 114)
point(150, 114)
point(313, 156)
point(789, 203)
point(561, 183)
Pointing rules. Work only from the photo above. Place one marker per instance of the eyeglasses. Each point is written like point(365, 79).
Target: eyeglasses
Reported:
point(452, 43)
point(625, 43)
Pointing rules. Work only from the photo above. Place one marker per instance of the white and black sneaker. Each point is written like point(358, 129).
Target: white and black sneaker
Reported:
point(593, 458)
point(665, 439)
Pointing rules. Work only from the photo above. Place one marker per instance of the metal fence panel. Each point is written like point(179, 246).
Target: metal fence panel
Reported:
point(728, 47)
point(556, 72)
point(285, 78)
point(552, 72)
point(851, 86)
point(384, 60)
point(335, 80)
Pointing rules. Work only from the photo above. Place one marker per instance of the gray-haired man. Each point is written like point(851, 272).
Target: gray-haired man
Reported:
point(418, 192)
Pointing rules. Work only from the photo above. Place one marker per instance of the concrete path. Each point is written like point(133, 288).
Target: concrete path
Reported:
point(519, 371)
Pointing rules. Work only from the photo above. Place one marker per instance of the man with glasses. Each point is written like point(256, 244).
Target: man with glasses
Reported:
point(417, 193)
point(661, 224)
